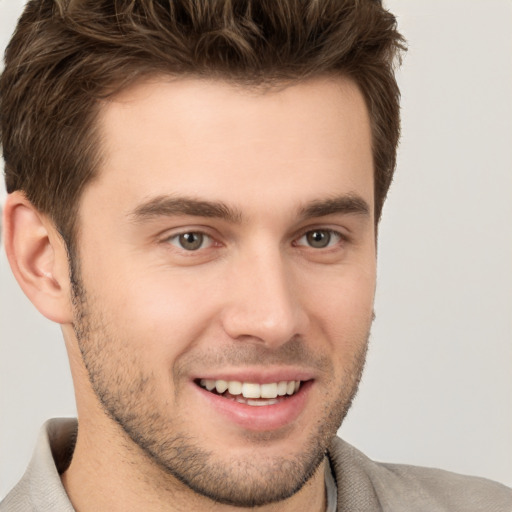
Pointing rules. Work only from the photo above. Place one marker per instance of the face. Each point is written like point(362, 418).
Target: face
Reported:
point(227, 273)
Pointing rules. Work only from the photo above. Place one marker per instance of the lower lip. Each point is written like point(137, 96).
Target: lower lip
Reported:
point(263, 417)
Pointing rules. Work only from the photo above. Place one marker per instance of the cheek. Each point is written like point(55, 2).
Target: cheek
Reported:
point(343, 296)
point(157, 313)
point(341, 310)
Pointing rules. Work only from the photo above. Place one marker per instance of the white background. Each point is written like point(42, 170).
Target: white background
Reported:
point(438, 384)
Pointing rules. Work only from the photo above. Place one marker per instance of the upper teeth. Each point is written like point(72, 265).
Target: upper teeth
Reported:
point(251, 389)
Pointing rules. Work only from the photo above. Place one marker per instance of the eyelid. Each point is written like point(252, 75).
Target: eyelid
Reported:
point(343, 237)
point(175, 233)
point(206, 242)
point(182, 229)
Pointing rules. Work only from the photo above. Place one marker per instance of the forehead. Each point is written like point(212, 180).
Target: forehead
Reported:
point(224, 142)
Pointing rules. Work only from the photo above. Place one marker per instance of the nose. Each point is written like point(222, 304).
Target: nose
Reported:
point(262, 300)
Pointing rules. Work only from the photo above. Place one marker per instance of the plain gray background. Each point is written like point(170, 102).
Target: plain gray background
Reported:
point(437, 390)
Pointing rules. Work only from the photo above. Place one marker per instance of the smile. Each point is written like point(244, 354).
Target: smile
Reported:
point(251, 393)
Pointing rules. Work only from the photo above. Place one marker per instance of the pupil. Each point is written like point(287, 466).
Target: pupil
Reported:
point(191, 241)
point(319, 239)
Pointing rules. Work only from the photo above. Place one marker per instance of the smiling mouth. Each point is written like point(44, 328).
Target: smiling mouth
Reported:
point(251, 393)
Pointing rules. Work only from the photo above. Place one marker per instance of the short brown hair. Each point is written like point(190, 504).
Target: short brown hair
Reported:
point(67, 54)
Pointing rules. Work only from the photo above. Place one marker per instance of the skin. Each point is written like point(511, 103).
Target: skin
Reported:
point(149, 317)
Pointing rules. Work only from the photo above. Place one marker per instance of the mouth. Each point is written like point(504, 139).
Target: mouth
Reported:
point(251, 393)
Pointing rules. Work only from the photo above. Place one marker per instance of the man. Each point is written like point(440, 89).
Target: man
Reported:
point(194, 190)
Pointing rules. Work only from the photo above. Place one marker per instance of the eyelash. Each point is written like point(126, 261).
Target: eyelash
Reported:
point(177, 237)
point(331, 233)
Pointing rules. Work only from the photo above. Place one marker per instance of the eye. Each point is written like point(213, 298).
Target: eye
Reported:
point(191, 241)
point(320, 238)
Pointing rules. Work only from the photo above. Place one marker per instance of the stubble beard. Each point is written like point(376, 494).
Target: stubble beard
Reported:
point(125, 393)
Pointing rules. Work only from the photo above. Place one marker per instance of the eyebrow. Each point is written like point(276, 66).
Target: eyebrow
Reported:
point(168, 206)
point(346, 204)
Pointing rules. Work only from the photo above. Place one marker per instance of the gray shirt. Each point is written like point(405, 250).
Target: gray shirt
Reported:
point(361, 485)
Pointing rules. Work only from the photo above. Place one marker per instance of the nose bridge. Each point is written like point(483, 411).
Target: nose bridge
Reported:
point(261, 303)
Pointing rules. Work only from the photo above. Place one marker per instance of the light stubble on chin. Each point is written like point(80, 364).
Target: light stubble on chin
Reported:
point(127, 394)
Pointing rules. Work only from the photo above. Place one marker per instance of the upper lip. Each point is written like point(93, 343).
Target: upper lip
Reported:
point(258, 375)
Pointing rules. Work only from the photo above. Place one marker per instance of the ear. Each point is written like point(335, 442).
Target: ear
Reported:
point(38, 258)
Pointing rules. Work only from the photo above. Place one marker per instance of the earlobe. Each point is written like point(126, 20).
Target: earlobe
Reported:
point(38, 258)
